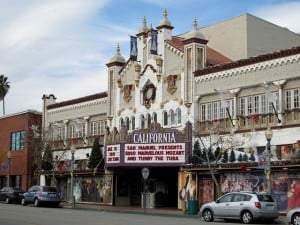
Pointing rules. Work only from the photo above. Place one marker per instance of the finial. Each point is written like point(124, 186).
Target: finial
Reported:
point(118, 49)
point(195, 24)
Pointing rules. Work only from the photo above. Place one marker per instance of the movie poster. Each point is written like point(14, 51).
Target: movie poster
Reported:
point(93, 189)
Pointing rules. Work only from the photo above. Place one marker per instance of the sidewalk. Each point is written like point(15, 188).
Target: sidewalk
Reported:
point(168, 212)
point(129, 209)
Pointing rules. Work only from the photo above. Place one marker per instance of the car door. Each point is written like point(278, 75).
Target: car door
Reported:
point(2, 194)
point(222, 206)
point(30, 194)
point(236, 205)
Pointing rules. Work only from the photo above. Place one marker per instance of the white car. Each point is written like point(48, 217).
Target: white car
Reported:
point(244, 206)
point(293, 216)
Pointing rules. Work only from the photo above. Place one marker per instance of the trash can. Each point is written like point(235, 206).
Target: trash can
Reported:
point(192, 207)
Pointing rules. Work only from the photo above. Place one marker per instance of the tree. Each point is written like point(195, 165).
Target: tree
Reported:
point(47, 159)
point(225, 157)
point(245, 158)
point(4, 87)
point(96, 159)
point(232, 156)
point(252, 157)
point(240, 158)
point(196, 157)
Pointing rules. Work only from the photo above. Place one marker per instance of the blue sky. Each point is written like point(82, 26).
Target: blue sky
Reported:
point(61, 47)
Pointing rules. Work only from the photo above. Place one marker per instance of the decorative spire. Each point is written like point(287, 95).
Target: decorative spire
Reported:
point(165, 21)
point(144, 28)
point(195, 32)
point(195, 24)
point(117, 57)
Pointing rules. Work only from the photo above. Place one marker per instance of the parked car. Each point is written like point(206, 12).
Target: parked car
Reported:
point(41, 194)
point(244, 206)
point(11, 194)
point(293, 216)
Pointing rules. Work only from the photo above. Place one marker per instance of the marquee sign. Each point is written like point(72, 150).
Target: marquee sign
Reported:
point(154, 146)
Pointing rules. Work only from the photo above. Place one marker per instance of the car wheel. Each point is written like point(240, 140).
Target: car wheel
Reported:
point(7, 201)
point(36, 202)
point(247, 217)
point(296, 219)
point(208, 215)
point(23, 202)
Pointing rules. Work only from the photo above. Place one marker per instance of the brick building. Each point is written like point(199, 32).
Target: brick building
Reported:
point(16, 143)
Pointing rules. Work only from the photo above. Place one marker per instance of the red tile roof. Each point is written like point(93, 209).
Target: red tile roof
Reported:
point(249, 61)
point(212, 56)
point(78, 100)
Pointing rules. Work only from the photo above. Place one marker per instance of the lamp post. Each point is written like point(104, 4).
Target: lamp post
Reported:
point(8, 168)
point(72, 199)
point(269, 135)
point(145, 174)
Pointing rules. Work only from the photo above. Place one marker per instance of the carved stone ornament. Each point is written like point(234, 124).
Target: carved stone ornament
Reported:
point(171, 81)
point(149, 93)
point(127, 92)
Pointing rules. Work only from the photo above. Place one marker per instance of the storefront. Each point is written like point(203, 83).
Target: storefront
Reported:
point(162, 150)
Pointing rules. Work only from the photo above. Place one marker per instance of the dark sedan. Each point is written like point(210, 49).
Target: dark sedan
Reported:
point(11, 194)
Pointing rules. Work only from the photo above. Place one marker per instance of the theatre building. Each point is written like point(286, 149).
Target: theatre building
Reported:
point(173, 91)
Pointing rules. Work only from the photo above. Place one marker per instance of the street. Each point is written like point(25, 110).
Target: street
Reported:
point(13, 214)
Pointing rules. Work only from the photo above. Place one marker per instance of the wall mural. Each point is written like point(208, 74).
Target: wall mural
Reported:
point(90, 189)
point(285, 187)
point(187, 188)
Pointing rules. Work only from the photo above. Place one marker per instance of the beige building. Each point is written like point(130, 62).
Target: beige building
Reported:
point(238, 77)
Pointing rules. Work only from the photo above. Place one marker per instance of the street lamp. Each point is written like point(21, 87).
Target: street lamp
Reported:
point(269, 135)
point(72, 199)
point(145, 174)
point(8, 168)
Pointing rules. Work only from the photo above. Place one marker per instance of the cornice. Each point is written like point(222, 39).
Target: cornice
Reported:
point(77, 106)
point(254, 67)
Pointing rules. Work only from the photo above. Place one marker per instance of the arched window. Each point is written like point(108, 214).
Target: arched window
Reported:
point(154, 116)
point(165, 118)
point(172, 117)
point(133, 123)
point(121, 123)
point(142, 121)
point(148, 120)
point(178, 116)
point(127, 123)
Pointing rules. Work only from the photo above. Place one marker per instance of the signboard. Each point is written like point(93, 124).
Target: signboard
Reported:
point(113, 154)
point(154, 153)
point(154, 146)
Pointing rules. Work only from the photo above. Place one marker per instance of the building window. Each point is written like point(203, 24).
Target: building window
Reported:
point(142, 121)
point(172, 115)
point(179, 116)
point(154, 117)
point(148, 120)
point(256, 104)
point(17, 141)
point(165, 118)
point(133, 123)
point(200, 57)
point(96, 128)
point(292, 99)
point(127, 123)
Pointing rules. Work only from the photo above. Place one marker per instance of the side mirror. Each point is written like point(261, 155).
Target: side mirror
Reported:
point(217, 201)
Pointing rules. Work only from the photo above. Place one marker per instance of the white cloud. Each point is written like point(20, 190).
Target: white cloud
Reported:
point(285, 15)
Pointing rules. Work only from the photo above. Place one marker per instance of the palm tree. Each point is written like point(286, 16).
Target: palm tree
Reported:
point(4, 86)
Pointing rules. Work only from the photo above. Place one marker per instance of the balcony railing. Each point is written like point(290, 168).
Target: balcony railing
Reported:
point(255, 121)
point(80, 142)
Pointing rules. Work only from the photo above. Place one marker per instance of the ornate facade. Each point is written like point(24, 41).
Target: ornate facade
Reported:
point(175, 90)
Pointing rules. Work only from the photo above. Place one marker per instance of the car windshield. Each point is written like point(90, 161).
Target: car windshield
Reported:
point(49, 189)
point(265, 198)
point(17, 189)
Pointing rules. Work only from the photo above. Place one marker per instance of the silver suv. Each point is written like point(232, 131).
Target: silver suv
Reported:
point(41, 194)
point(245, 206)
